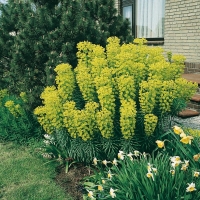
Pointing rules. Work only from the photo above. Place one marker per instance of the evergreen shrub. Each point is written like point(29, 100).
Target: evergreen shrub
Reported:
point(37, 35)
point(117, 97)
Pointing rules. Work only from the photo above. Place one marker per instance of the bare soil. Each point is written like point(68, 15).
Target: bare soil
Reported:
point(71, 181)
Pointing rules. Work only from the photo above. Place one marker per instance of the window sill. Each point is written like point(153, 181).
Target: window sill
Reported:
point(155, 42)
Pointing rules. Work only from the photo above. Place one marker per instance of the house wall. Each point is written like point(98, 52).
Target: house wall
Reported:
point(182, 29)
point(117, 5)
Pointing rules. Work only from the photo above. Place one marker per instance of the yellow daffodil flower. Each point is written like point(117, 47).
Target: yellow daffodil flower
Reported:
point(103, 181)
point(182, 135)
point(177, 130)
point(160, 143)
point(187, 139)
point(191, 187)
point(100, 188)
point(196, 157)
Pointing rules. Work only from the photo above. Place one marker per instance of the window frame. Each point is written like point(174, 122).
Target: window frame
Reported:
point(126, 3)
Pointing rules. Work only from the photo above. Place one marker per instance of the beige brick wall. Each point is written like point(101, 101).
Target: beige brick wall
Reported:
point(182, 28)
point(117, 6)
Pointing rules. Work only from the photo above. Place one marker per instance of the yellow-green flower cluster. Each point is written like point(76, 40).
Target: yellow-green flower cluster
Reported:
point(126, 87)
point(155, 54)
point(105, 123)
point(15, 109)
point(85, 83)
point(150, 123)
point(88, 51)
point(65, 81)
point(3, 93)
point(50, 115)
point(112, 50)
point(84, 51)
point(193, 132)
point(178, 59)
point(128, 72)
point(24, 97)
point(164, 71)
point(167, 96)
point(184, 89)
point(104, 78)
point(107, 99)
point(148, 94)
point(128, 118)
point(80, 123)
point(140, 41)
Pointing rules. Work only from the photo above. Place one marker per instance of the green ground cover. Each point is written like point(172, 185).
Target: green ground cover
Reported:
point(24, 175)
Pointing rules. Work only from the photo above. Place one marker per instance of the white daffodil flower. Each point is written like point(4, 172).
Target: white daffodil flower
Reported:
point(121, 155)
point(112, 193)
point(191, 187)
point(114, 162)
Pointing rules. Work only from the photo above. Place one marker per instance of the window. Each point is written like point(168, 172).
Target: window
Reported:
point(146, 17)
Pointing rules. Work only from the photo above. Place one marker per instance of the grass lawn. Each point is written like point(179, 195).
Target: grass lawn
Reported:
point(24, 176)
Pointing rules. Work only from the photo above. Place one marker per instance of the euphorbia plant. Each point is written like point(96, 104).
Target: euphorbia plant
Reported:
point(115, 98)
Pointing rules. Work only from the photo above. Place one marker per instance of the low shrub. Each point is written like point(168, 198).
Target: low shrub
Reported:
point(16, 123)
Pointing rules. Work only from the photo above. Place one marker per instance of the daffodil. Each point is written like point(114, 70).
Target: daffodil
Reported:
point(114, 162)
point(121, 155)
point(144, 155)
point(136, 153)
point(191, 187)
point(187, 162)
point(112, 193)
point(90, 194)
point(182, 135)
point(95, 161)
point(150, 175)
point(154, 170)
point(196, 174)
point(196, 157)
point(184, 167)
point(105, 162)
point(187, 139)
point(177, 130)
point(109, 174)
point(175, 158)
point(176, 163)
point(130, 156)
point(172, 171)
point(100, 187)
point(103, 181)
point(160, 143)
point(149, 166)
